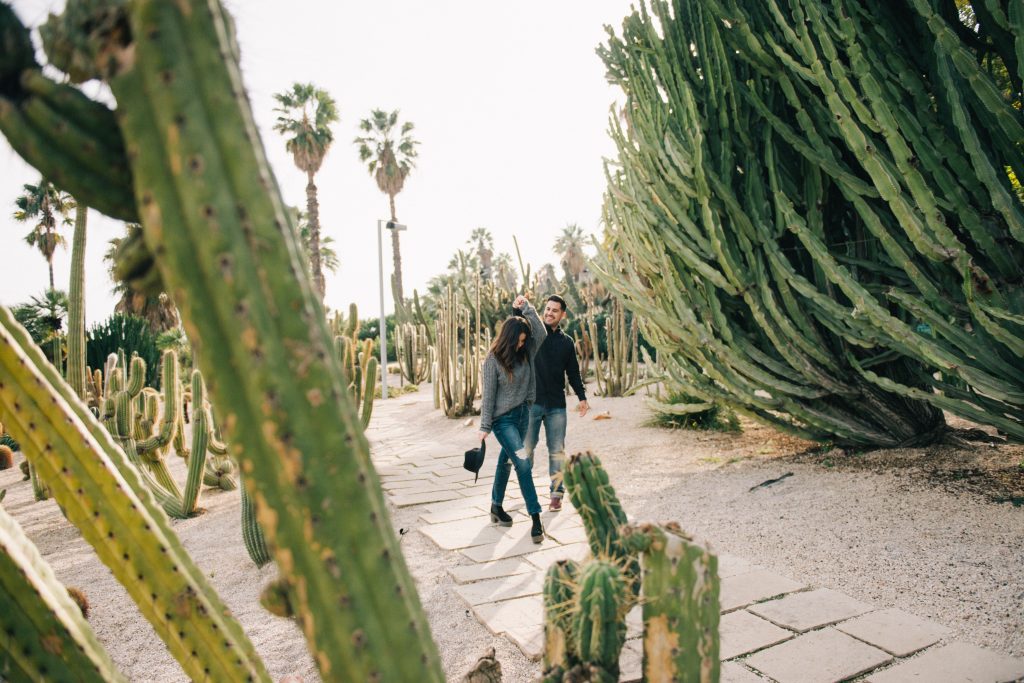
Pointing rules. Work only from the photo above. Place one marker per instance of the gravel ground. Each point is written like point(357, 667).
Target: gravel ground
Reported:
point(884, 529)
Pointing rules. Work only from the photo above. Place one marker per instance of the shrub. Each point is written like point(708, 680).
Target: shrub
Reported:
point(127, 332)
point(680, 411)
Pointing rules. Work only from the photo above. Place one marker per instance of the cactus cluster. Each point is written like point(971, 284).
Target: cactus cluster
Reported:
point(415, 354)
point(619, 372)
point(357, 363)
point(813, 209)
point(460, 351)
point(674, 579)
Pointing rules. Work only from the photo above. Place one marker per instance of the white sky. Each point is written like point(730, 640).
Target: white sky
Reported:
point(510, 105)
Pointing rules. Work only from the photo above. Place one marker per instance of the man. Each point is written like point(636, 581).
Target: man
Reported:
point(555, 361)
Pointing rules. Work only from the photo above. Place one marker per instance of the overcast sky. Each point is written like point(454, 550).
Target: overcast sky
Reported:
point(510, 105)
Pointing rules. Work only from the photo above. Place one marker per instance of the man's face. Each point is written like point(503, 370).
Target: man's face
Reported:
point(553, 313)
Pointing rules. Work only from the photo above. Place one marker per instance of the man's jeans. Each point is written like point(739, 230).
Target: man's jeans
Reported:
point(553, 420)
point(509, 430)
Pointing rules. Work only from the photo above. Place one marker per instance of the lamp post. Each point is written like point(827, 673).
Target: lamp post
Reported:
point(391, 225)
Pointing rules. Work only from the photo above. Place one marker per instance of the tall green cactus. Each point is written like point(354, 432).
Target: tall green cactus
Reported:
point(812, 211)
point(213, 218)
point(76, 306)
point(619, 373)
point(415, 355)
point(45, 636)
point(599, 621)
point(459, 356)
point(101, 492)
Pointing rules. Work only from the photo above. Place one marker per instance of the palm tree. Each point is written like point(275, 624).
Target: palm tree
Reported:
point(45, 202)
point(328, 256)
point(307, 113)
point(390, 163)
point(569, 246)
point(504, 272)
point(483, 241)
point(157, 310)
point(43, 317)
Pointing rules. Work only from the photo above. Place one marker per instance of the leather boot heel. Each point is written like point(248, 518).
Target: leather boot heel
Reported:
point(537, 532)
point(499, 516)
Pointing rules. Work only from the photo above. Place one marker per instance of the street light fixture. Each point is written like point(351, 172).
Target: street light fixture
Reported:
point(391, 225)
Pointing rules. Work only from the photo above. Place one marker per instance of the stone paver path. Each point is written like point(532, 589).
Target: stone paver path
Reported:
point(773, 628)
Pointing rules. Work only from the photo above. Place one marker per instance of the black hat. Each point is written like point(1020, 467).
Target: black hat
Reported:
point(474, 460)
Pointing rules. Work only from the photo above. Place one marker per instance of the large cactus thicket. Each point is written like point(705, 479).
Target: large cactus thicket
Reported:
point(815, 209)
point(181, 153)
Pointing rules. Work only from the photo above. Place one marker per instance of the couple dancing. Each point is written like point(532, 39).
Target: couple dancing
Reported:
point(523, 382)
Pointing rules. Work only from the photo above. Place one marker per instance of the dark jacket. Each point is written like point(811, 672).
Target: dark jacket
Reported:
point(556, 360)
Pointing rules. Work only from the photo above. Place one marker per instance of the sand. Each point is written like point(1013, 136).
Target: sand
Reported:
point(916, 529)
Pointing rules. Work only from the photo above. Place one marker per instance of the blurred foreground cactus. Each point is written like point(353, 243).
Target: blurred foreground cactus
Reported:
point(656, 566)
point(214, 221)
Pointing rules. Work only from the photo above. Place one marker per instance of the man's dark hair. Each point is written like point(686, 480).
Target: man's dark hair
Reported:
point(560, 301)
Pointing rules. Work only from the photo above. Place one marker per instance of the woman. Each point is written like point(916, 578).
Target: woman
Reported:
point(509, 388)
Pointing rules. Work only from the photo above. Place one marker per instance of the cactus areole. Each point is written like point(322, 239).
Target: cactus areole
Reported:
point(213, 219)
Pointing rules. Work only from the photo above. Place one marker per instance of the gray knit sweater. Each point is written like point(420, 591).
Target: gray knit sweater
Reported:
point(502, 393)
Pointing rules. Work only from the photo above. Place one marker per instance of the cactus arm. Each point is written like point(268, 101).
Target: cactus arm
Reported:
point(370, 388)
point(252, 534)
point(213, 216)
point(172, 405)
point(599, 625)
point(200, 439)
point(42, 630)
point(76, 306)
point(680, 604)
point(559, 595)
point(101, 493)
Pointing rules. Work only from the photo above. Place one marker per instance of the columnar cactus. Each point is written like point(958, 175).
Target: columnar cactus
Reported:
point(459, 356)
point(680, 604)
point(586, 606)
point(45, 637)
point(415, 355)
point(619, 373)
point(213, 219)
point(76, 368)
point(101, 492)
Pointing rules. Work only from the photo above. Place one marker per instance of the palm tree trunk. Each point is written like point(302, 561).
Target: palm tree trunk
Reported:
point(396, 254)
point(313, 214)
point(76, 306)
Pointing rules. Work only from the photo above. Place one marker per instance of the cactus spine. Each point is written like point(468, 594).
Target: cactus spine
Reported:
point(102, 494)
point(45, 635)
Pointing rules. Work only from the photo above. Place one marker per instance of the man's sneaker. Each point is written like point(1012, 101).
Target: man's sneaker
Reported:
point(555, 505)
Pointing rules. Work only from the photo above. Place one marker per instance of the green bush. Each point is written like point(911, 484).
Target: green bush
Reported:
point(127, 332)
point(680, 411)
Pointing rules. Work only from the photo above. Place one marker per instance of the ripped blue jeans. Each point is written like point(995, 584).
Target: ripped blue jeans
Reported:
point(510, 430)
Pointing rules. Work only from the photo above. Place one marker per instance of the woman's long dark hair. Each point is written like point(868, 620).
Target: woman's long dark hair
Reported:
point(504, 345)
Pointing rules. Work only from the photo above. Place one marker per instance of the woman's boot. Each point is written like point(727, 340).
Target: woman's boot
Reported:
point(499, 516)
point(537, 532)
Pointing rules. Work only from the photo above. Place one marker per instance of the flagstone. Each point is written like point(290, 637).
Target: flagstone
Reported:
point(500, 617)
point(451, 514)
point(529, 639)
point(418, 483)
point(501, 588)
point(737, 673)
point(745, 589)
point(509, 546)
point(824, 656)
point(954, 663)
point(631, 661)
point(464, 533)
point(895, 631)
point(545, 558)
point(635, 622)
point(741, 633)
point(456, 503)
point(479, 571)
point(731, 565)
point(811, 609)
point(424, 497)
point(567, 535)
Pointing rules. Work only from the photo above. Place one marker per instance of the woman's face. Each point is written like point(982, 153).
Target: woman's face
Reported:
point(522, 340)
